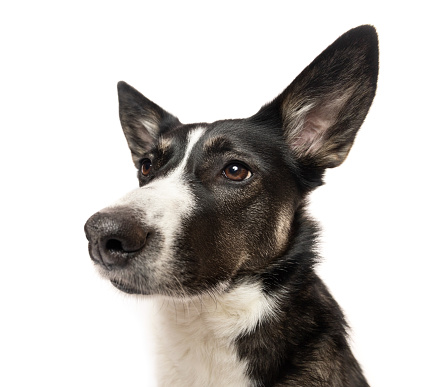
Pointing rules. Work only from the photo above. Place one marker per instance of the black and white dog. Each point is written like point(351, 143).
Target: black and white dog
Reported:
point(218, 232)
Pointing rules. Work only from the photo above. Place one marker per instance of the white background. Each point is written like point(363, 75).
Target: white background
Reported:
point(63, 157)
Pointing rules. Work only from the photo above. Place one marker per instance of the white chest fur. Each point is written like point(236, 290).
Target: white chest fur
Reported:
point(196, 337)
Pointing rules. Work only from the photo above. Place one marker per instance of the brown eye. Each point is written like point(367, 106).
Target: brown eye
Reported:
point(236, 172)
point(145, 167)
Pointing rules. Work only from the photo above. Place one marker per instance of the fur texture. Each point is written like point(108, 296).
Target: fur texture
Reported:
point(218, 233)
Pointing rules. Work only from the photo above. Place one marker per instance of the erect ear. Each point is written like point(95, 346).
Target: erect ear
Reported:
point(142, 120)
point(323, 108)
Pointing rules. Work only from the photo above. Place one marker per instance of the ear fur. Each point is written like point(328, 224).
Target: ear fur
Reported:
point(323, 108)
point(142, 120)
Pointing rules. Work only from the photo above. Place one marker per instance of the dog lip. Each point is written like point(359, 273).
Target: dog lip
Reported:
point(125, 287)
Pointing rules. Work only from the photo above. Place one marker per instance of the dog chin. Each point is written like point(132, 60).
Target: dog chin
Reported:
point(126, 288)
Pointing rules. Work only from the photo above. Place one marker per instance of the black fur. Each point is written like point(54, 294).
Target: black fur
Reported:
point(307, 344)
point(286, 146)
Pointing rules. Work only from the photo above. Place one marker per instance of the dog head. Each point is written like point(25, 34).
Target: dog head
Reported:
point(218, 201)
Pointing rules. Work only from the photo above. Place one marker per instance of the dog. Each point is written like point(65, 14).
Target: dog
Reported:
point(218, 233)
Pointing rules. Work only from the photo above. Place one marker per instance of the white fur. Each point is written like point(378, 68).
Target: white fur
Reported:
point(196, 337)
point(164, 203)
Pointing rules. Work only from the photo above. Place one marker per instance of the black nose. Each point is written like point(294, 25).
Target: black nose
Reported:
point(115, 236)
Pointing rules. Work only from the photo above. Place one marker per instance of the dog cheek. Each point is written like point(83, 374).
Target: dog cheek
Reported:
point(266, 233)
point(241, 240)
point(207, 251)
point(282, 230)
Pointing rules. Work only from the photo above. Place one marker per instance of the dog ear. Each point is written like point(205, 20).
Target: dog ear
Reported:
point(142, 120)
point(323, 108)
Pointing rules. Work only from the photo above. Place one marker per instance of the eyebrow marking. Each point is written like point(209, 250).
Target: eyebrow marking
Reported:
point(218, 144)
point(164, 144)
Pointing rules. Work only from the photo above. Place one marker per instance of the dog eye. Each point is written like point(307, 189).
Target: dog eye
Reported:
point(145, 167)
point(236, 172)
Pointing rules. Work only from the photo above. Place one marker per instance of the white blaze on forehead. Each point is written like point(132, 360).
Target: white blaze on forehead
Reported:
point(168, 192)
point(193, 138)
point(166, 201)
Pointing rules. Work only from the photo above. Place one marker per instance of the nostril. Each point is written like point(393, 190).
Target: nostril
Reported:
point(115, 236)
point(114, 245)
point(125, 244)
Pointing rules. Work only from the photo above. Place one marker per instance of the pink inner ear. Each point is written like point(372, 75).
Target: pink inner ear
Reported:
point(152, 128)
point(309, 139)
point(309, 133)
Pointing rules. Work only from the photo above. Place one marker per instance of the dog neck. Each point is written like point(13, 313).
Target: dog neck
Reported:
point(198, 336)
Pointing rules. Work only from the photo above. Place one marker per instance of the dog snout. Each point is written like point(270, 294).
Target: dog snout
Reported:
point(115, 236)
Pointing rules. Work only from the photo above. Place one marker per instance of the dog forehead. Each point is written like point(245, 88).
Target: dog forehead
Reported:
point(181, 140)
point(224, 136)
point(193, 138)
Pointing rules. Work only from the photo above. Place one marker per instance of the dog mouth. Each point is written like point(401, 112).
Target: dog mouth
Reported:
point(126, 288)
